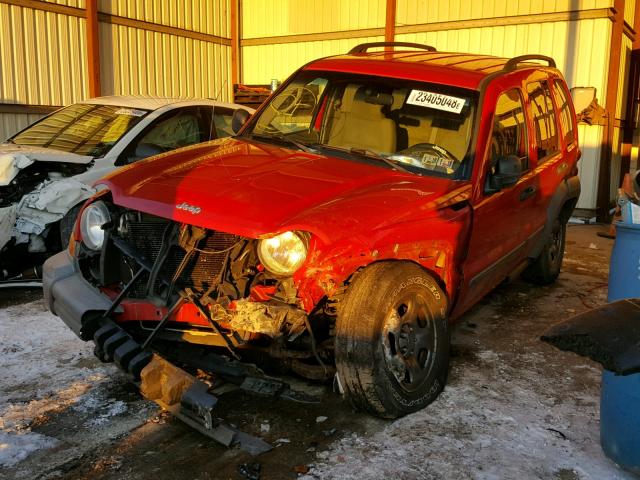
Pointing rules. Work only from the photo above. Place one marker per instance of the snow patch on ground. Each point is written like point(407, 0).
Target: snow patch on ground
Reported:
point(495, 420)
point(101, 409)
point(45, 369)
point(15, 447)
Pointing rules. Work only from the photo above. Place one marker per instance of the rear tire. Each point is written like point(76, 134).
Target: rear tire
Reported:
point(545, 269)
point(392, 339)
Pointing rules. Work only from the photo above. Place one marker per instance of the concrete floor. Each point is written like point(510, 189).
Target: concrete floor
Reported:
point(514, 407)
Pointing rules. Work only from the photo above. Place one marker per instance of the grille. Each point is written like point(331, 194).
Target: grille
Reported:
point(202, 269)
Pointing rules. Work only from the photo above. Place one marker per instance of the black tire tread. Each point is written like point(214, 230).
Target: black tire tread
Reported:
point(357, 317)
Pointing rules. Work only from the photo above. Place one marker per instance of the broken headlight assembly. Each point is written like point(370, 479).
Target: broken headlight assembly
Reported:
point(284, 253)
point(93, 219)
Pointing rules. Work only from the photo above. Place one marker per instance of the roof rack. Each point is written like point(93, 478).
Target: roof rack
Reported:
point(363, 47)
point(513, 63)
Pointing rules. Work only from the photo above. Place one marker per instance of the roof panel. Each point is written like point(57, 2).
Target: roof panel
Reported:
point(452, 68)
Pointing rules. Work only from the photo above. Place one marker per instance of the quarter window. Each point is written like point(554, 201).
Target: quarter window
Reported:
point(566, 118)
point(544, 119)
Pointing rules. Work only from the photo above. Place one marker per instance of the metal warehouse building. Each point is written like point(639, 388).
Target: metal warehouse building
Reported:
point(55, 52)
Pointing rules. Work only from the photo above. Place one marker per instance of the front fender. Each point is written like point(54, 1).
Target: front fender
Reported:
point(436, 242)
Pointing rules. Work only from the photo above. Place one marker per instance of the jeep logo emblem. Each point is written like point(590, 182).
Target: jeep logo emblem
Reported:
point(189, 208)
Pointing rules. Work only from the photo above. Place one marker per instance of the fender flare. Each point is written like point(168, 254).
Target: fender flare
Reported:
point(564, 198)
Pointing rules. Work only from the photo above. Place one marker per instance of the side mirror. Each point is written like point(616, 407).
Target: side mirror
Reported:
point(582, 98)
point(507, 171)
point(240, 117)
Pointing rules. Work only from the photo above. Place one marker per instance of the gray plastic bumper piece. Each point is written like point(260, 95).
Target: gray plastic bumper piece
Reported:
point(68, 295)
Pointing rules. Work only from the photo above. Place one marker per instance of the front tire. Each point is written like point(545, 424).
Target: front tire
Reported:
point(392, 339)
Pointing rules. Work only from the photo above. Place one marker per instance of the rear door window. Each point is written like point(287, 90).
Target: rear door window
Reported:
point(544, 120)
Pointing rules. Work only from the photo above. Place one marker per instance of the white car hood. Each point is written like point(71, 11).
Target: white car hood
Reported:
point(14, 158)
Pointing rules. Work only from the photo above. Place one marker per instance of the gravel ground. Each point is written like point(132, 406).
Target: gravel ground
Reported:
point(513, 408)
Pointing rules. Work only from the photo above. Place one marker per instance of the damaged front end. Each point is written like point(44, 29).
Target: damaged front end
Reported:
point(34, 197)
point(169, 302)
point(171, 283)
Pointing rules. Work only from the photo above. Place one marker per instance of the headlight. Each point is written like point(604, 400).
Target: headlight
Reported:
point(282, 254)
point(94, 217)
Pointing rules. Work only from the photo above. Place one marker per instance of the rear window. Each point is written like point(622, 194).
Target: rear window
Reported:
point(83, 129)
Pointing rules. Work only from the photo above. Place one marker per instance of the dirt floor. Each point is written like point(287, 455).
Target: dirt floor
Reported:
point(514, 407)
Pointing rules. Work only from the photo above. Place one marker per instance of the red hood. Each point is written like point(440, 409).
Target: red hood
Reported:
point(255, 189)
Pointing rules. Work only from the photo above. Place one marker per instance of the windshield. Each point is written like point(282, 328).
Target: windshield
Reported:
point(81, 128)
point(422, 127)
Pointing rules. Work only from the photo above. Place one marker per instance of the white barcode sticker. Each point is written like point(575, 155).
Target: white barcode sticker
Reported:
point(436, 100)
point(131, 112)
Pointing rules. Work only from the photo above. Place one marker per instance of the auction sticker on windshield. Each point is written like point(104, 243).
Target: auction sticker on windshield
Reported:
point(436, 100)
point(131, 111)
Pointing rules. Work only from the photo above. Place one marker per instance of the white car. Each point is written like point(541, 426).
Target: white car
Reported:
point(47, 170)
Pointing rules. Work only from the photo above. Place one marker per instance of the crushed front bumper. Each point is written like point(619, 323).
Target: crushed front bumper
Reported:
point(82, 308)
point(68, 295)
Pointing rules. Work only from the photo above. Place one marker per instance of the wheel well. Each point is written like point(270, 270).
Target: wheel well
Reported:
point(433, 274)
point(567, 209)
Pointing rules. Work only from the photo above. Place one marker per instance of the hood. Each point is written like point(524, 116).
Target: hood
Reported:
point(255, 189)
point(14, 158)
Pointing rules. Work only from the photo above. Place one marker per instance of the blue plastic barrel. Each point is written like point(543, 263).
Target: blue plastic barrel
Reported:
point(620, 419)
point(624, 268)
point(620, 395)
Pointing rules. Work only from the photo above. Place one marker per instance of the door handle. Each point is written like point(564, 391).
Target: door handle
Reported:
point(527, 192)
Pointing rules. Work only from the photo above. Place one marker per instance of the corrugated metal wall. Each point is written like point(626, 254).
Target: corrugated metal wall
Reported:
point(43, 54)
point(412, 12)
point(138, 61)
point(265, 19)
point(69, 3)
point(204, 16)
point(270, 18)
point(42, 60)
point(630, 11)
point(572, 44)
point(262, 63)
point(621, 115)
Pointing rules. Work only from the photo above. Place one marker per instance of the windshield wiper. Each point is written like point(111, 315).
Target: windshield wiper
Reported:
point(371, 154)
point(281, 138)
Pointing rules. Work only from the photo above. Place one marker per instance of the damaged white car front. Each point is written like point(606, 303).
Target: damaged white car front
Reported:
point(27, 219)
point(46, 172)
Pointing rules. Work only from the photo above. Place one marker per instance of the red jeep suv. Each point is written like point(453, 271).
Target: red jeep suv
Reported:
point(368, 203)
